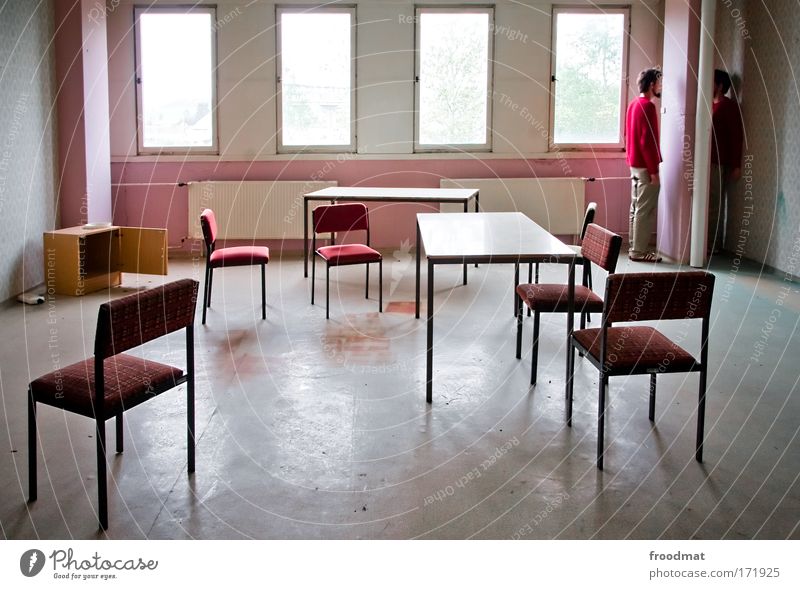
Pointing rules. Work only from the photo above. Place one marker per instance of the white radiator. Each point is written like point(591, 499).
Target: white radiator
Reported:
point(557, 204)
point(252, 209)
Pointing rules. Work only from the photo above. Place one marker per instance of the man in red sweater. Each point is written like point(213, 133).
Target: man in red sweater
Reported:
point(726, 157)
point(644, 156)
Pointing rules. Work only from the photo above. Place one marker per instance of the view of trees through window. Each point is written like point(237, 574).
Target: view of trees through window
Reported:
point(453, 77)
point(315, 58)
point(589, 73)
point(176, 72)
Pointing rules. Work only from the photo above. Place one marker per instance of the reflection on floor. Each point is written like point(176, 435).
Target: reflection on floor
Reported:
point(310, 428)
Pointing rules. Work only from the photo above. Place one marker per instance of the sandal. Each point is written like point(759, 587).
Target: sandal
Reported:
point(647, 257)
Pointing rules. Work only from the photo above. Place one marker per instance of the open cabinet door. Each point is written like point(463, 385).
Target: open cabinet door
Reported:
point(142, 251)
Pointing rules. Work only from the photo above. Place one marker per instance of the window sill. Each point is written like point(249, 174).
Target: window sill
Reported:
point(343, 157)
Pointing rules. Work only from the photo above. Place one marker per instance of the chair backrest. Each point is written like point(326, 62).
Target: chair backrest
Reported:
point(209, 224)
point(601, 246)
point(588, 217)
point(138, 318)
point(343, 217)
point(650, 296)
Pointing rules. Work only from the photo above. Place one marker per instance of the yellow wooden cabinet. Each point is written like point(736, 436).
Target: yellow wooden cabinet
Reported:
point(80, 260)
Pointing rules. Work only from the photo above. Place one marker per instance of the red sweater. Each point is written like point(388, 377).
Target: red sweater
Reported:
point(641, 132)
point(726, 133)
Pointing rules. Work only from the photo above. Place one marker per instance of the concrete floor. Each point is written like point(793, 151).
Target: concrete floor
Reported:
point(310, 428)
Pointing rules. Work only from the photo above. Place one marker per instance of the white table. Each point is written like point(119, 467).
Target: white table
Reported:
point(486, 238)
point(368, 194)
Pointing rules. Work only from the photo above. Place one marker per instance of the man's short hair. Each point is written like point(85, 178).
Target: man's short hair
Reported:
point(721, 77)
point(648, 77)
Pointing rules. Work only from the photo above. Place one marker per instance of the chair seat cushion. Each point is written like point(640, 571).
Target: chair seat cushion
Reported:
point(552, 298)
point(244, 255)
point(129, 380)
point(636, 349)
point(343, 255)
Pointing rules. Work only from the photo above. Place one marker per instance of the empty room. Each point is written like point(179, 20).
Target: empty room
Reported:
point(386, 270)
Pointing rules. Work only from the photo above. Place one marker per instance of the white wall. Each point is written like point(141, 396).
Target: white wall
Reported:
point(27, 142)
point(385, 70)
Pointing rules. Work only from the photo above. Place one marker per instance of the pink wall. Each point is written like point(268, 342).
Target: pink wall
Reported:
point(167, 206)
point(95, 101)
point(681, 52)
point(83, 142)
point(71, 139)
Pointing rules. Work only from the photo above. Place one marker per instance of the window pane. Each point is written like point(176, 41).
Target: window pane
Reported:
point(315, 79)
point(177, 79)
point(588, 77)
point(453, 78)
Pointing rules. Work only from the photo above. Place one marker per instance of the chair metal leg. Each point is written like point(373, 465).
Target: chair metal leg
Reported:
point(313, 277)
point(601, 421)
point(519, 327)
point(32, 448)
point(701, 415)
point(327, 291)
point(366, 288)
point(263, 291)
point(652, 412)
point(102, 477)
point(380, 286)
point(210, 284)
point(535, 353)
point(570, 383)
point(190, 441)
point(205, 292)
point(589, 275)
point(119, 433)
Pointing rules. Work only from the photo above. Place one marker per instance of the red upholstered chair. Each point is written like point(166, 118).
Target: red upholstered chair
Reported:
point(337, 218)
point(588, 219)
point(600, 247)
point(249, 255)
point(112, 382)
point(632, 349)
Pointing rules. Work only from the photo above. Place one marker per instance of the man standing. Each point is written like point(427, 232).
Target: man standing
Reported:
point(644, 156)
point(726, 157)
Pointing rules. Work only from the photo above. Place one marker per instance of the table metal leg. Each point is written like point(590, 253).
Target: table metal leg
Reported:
point(466, 210)
point(419, 240)
point(516, 284)
point(477, 209)
point(570, 327)
point(305, 238)
point(429, 363)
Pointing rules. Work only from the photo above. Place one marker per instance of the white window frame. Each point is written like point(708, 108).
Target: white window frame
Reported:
point(213, 149)
point(455, 9)
point(623, 103)
point(281, 9)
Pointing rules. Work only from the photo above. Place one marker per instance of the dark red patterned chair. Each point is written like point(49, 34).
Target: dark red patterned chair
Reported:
point(588, 219)
point(112, 382)
point(245, 255)
point(600, 246)
point(343, 218)
point(632, 349)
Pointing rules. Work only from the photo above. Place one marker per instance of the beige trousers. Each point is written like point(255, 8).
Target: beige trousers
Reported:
point(644, 208)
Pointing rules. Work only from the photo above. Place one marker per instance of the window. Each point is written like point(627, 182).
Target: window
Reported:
point(175, 79)
point(590, 49)
point(453, 79)
point(316, 79)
